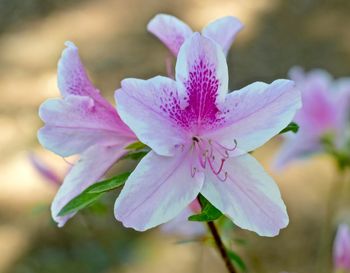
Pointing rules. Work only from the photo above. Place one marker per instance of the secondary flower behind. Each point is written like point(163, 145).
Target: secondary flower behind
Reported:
point(173, 32)
point(84, 123)
point(200, 138)
point(325, 115)
point(341, 248)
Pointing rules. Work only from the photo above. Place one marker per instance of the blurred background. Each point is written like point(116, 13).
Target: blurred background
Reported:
point(114, 44)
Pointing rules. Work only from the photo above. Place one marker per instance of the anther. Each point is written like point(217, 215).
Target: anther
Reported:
point(223, 179)
point(193, 171)
point(195, 139)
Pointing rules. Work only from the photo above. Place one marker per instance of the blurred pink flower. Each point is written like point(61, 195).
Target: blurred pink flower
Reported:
point(84, 123)
point(173, 32)
point(325, 110)
point(341, 248)
point(200, 136)
point(44, 170)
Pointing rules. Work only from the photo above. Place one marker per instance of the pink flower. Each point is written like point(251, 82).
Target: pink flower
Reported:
point(200, 136)
point(173, 32)
point(326, 110)
point(44, 170)
point(341, 248)
point(84, 123)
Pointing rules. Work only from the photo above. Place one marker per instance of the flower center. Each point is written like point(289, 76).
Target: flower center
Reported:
point(211, 154)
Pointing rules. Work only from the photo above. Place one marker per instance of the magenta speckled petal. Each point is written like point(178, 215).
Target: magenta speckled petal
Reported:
point(256, 113)
point(197, 127)
point(151, 109)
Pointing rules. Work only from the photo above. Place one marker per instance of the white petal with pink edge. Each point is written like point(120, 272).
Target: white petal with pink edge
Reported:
point(158, 190)
point(248, 196)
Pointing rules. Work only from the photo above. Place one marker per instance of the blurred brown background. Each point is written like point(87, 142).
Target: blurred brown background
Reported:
point(114, 44)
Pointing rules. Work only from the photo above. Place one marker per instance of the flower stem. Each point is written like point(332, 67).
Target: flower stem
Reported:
point(221, 247)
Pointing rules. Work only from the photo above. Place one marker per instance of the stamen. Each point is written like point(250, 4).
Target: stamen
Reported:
point(193, 171)
point(226, 148)
point(201, 161)
point(69, 163)
point(180, 145)
point(212, 167)
point(222, 179)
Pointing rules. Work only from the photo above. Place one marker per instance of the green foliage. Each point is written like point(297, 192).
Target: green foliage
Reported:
point(108, 184)
point(237, 260)
point(293, 127)
point(342, 157)
point(136, 146)
point(93, 193)
point(137, 151)
point(135, 155)
point(208, 213)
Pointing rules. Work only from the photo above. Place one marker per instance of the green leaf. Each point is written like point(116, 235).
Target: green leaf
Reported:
point(208, 213)
point(81, 201)
point(237, 260)
point(290, 127)
point(135, 156)
point(93, 193)
point(108, 184)
point(136, 146)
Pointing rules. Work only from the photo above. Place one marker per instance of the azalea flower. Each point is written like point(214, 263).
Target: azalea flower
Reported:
point(325, 113)
point(173, 32)
point(341, 248)
point(200, 138)
point(81, 122)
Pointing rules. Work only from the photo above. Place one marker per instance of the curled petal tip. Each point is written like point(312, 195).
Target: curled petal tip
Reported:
point(70, 44)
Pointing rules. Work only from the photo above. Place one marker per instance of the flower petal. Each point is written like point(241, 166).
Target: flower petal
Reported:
point(73, 80)
point(157, 191)
point(249, 196)
point(341, 248)
point(151, 109)
point(201, 72)
point(299, 146)
point(223, 31)
point(170, 30)
point(74, 124)
point(92, 165)
point(256, 113)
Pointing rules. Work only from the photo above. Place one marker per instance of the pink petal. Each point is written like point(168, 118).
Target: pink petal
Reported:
point(170, 30)
point(73, 80)
point(256, 113)
point(315, 118)
point(75, 123)
point(202, 74)
point(44, 169)
point(150, 108)
point(223, 31)
point(92, 165)
point(296, 146)
point(157, 191)
point(341, 248)
point(249, 196)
